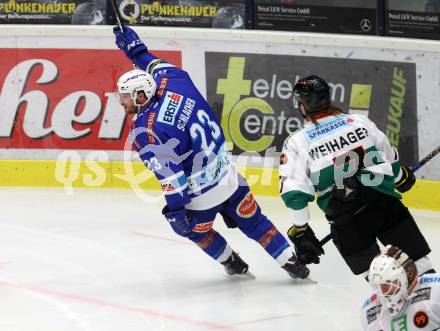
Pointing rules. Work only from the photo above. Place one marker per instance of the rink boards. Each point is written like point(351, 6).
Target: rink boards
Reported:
point(134, 176)
point(60, 123)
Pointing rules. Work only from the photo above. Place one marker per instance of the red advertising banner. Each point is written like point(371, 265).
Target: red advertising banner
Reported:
point(64, 98)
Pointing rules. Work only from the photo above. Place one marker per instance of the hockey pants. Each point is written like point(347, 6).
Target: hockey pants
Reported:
point(384, 218)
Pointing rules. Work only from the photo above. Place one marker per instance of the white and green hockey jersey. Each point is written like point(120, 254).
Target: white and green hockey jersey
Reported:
point(318, 157)
point(422, 311)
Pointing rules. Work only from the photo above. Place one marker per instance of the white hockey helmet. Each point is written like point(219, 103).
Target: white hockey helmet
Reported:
point(394, 275)
point(135, 81)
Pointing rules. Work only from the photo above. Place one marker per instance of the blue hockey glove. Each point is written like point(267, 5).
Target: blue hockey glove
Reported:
point(407, 180)
point(128, 41)
point(178, 220)
point(307, 246)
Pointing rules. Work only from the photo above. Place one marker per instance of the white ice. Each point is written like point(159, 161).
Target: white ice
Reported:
point(104, 260)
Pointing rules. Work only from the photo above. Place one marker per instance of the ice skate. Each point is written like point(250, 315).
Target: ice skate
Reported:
point(296, 269)
point(234, 265)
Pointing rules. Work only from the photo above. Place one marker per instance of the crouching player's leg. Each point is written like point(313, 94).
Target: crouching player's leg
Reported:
point(196, 225)
point(213, 244)
point(242, 210)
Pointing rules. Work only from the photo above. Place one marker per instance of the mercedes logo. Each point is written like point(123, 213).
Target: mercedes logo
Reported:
point(366, 25)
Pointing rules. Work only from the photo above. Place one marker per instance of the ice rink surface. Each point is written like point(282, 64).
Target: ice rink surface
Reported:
point(104, 260)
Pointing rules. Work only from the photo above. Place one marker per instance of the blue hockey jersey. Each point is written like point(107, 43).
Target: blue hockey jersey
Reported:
point(178, 136)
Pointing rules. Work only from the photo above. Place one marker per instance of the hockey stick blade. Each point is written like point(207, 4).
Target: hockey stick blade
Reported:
point(117, 14)
point(414, 168)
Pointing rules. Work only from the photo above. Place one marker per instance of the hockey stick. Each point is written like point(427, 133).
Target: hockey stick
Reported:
point(117, 14)
point(416, 166)
point(325, 240)
point(425, 160)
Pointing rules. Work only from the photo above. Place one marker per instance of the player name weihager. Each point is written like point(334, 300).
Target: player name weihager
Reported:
point(337, 144)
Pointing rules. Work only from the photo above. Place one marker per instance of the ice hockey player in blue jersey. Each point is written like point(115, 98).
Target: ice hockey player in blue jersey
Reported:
point(177, 135)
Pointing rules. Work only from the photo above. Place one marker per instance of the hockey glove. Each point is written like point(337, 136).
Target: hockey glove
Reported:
point(128, 41)
point(178, 220)
point(307, 246)
point(406, 181)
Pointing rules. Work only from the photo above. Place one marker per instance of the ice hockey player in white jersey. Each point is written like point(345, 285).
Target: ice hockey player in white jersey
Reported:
point(350, 165)
point(402, 301)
